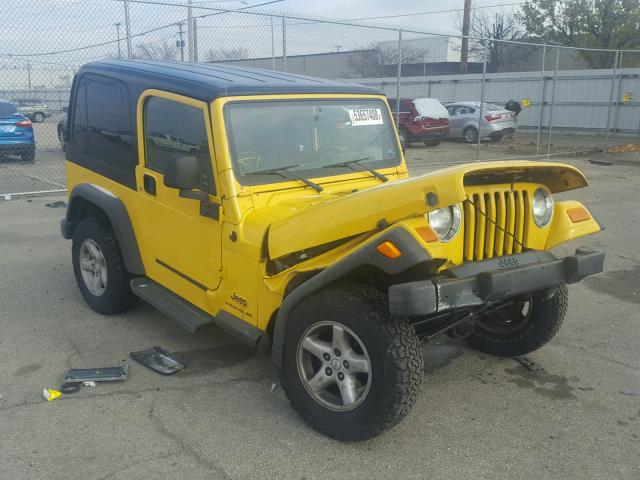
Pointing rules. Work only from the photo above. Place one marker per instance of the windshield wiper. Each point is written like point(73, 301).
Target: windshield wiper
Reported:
point(285, 173)
point(357, 161)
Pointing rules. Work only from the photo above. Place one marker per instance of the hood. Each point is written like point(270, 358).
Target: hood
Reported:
point(430, 107)
point(360, 212)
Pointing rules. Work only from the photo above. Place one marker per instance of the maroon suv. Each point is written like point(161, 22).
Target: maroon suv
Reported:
point(421, 120)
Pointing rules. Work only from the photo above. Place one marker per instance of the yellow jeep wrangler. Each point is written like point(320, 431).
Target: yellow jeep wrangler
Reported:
point(279, 208)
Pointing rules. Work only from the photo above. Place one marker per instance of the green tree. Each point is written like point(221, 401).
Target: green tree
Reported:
point(612, 24)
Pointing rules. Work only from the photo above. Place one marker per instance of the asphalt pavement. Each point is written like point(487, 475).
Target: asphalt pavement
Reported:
point(569, 411)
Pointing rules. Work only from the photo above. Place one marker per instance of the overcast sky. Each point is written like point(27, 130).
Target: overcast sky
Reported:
point(31, 28)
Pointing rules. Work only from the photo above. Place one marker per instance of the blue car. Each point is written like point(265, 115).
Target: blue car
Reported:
point(16, 133)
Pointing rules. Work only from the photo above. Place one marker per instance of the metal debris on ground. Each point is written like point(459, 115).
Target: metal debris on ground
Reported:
point(57, 204)
point(77, 377)
point(159, 360)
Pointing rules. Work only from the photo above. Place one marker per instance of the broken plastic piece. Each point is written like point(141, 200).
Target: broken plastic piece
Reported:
point(158, 360)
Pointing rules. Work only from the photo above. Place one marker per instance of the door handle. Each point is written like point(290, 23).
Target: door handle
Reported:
point(149, 184)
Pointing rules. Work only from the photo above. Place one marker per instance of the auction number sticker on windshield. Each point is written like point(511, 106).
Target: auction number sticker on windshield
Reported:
point(365, 116)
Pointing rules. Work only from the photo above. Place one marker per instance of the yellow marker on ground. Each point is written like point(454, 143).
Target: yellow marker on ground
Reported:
point(50, 394)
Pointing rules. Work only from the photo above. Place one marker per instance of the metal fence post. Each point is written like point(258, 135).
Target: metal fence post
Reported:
point(195, 40)
point(612, 91)
point(127, 28)
point(615, 114)
point(484, 75)
point(284, 44)
point(544, 54)
point(398, 79)
point(273, 46)
point(553, 100)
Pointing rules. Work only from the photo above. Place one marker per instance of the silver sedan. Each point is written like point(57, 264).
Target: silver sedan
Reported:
point(464, 118)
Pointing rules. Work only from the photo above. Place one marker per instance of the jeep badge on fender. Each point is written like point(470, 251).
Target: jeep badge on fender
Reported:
point(201, 181)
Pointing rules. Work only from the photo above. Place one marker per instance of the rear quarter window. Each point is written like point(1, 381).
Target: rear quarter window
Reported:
point(101, 131)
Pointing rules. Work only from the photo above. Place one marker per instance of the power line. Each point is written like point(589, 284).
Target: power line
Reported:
point(110, 42)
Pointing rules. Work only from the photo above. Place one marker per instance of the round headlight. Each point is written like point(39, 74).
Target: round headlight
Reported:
point(445, 222)
point(542, 207)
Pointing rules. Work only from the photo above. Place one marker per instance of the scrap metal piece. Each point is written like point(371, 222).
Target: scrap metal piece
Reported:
point(158, 360)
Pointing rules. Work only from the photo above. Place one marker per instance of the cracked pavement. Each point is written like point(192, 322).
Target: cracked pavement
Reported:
point(573, 412)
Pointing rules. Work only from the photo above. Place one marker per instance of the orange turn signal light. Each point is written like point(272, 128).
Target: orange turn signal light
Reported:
point(389, 250)
point(427, 234)
point(578, 214)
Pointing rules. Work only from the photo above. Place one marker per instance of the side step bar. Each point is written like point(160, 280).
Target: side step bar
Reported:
point(191, 318)
point(188, 316)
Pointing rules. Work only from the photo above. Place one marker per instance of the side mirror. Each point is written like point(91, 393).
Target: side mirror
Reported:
point(183, 174)
point(417, 119)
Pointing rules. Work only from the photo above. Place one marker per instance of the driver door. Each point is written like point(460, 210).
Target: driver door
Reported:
point(180, 236)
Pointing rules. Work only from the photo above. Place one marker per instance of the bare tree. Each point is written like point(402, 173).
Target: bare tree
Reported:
point(226, 54)
point(381, 59)
point(487, 29)
point(154, 51)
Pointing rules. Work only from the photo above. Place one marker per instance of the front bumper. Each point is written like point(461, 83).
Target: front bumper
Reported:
point(478, 283)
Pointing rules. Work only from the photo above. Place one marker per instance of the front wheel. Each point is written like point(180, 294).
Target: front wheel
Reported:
point(522, 325)
point(350, 370)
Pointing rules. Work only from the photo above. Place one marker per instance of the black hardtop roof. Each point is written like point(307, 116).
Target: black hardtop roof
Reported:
point(208, 81)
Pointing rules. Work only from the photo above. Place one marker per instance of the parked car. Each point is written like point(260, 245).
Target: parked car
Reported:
point(62, 128)
point(496, 121)
point(305, 236)
point(16, 133)
point(421, 120)
point(35, 109)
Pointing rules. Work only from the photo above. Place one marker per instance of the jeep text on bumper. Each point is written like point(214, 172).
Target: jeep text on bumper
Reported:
point(477, 283)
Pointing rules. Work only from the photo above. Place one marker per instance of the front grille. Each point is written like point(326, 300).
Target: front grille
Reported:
point(495, 223)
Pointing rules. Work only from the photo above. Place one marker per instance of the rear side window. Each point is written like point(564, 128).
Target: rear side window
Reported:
point(101, 131)
point(7, 108)
point(172, 130)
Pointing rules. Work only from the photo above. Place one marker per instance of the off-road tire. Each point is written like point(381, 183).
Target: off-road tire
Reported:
point(394, 350)
point(547, 314)
point(117, 297)
point(470, 135)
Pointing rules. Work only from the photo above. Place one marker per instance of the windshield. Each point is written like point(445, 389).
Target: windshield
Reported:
point(312, 135)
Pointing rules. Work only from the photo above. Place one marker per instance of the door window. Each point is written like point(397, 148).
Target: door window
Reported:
point(173, 130)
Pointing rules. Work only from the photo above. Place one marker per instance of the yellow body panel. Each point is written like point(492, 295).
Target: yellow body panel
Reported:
point(227, 257)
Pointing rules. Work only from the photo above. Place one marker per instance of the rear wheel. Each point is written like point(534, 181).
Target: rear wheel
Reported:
point(38, 117)
point(470, 135)
point(523, 325)
point(350, 370)
point(63, 143)
point(405, 136)
point(99, 268)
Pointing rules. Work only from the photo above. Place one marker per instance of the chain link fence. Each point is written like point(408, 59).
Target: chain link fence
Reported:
point(572, 100)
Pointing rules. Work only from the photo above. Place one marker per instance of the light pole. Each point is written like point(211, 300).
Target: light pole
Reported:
point(117, 25)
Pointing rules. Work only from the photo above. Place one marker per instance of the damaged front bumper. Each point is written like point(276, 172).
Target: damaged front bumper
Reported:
point(478, 283)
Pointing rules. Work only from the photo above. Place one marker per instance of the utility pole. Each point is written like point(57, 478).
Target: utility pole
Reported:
point(117, 25)
point(29, 73)
point(189, 31)
point(180, 43)
point(127, 27)
point(464, 51)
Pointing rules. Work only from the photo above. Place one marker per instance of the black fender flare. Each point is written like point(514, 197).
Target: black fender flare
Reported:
point(412, 254)
point(117, 213)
